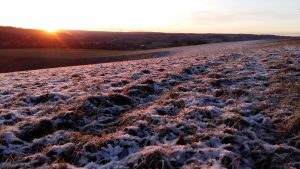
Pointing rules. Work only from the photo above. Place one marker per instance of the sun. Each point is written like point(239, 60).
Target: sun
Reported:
point(50, 29)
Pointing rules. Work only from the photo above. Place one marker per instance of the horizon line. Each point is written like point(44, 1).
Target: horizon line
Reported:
point(294, 34)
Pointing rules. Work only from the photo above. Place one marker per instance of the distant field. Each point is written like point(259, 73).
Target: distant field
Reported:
point(29, 59)
point(12, 38)
point(59, 53)
point(38, 58)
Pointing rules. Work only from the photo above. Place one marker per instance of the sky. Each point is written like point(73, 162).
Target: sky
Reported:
point(186, 16)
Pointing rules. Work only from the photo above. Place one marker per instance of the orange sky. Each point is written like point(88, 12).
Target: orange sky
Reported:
point(197, 16)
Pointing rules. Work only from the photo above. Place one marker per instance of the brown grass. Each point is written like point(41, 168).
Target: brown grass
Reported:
point(285, 91)
point(156, 159)
point(100, 140)
point(293, 124)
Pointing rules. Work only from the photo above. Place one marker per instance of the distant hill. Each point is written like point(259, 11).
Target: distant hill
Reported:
point(11, 37)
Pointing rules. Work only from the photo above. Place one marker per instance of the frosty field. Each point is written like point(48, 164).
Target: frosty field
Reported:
point(227, 105)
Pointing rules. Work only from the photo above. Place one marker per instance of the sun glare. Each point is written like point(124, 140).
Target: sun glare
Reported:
point(51, 29)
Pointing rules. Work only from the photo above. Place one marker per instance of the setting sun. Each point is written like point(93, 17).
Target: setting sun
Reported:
point(50, 29)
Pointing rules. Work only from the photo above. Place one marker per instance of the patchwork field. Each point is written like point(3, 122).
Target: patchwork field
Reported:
point(227, 105)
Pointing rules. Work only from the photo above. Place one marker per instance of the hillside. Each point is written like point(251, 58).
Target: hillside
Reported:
point(225, 105)
point(11, 37)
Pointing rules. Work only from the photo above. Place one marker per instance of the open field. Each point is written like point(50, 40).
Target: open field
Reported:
point(30, 59)
point(59, 53)
point(30, 49)
point(227, 105)
point(39, 58)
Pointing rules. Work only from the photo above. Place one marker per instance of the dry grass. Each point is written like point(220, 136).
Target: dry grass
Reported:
point(100, 140)
point(285, 91)
point(293, 124)
point(59, 164)
point(9, 162)
point(156, 159)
